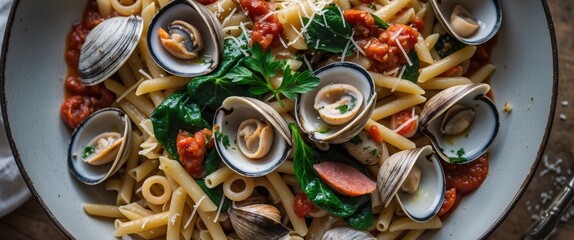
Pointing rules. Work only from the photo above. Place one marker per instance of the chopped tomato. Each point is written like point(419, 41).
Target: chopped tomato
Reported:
point(375, 134)
point(206, 2)
point(303, 205)
point(466, 177)
point(385, 48)
point(191, 150)
point(77, 108)
point(401, 118)
point(449, 199)
point(266, 31)
point(417, 23)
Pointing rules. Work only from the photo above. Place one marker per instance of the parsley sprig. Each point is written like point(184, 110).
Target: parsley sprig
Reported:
point(260, 67)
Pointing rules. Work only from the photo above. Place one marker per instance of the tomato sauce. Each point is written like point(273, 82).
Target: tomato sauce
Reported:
point(266, 28)
point(302, 205)
point(192, 148)
point(81, 100)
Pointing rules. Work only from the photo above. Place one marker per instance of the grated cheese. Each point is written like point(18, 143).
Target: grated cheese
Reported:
point(405, 124)
point(398, 79)
point(194, 211)
point(397, 34)
point(317, 44)
point(325, 21)
point(345, 51)
point(144, 73)
point(357, 45)
point(218, 210)
point(342, 17)
point(173, 219)
point(307, 63)
point(403, 51)
point(283, 42)
point(266, 16)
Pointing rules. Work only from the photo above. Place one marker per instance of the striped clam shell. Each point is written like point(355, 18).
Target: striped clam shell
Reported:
point(257, 221)
point(233, 111)
point(424, 204)
point(309, 119)
point(479, 136)
point(107, 47)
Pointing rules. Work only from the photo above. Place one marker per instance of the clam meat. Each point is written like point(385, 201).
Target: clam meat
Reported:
point(416, 179)
point(257, 221)
point(470, 22)
point(262, 139)
point(182, 40)
point(461, 122)
point(366, 150)
point(254, 138)
point(100, 145)
point(457, 119)
point(103, 148)
point(338, 103)
point(339, 107)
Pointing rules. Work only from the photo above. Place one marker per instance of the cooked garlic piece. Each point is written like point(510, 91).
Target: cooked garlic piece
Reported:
point(254, 138)
point(462, 22)
point(411, 184)
point(182, 40)
point(338, 103)
point(103, 148)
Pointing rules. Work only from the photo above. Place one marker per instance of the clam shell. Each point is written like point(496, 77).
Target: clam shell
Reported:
point(195, 14)
point(488, 13)
point(230, 115)
point(347, 233)
point(107, 47)
point(103, 120)
point(426, 202)
point(476, 140)
point(340, 72)
point(257, 221)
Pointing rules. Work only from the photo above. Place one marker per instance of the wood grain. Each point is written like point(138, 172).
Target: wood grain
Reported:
point(30, 222)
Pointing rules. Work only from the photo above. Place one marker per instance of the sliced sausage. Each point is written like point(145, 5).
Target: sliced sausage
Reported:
point(344, 179)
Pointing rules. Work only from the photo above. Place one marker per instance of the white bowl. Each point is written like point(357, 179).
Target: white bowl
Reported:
point(33, 70)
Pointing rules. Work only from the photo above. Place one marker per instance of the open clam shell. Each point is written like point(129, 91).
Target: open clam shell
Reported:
point(309, 119)
point(474, 141)
point(426, 202)
point(228, 118)
point(487, 13)
point(107, 47)
point(101, 121)
point(194, 14)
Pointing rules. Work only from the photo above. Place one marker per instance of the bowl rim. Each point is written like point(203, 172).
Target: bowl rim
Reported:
point(493, 226)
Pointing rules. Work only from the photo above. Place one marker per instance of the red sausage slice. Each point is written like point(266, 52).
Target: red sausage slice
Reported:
point(344, 179)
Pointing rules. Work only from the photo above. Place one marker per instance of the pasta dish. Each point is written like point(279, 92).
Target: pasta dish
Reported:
point(278, 119)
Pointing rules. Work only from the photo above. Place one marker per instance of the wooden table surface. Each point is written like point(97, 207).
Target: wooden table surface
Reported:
point(30, 222)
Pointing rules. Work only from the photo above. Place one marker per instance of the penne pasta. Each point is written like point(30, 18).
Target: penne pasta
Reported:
point(446, 63)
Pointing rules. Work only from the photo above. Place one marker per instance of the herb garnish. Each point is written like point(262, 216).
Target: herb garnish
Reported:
point(373, 6)
point(88, 150)
point(333, 38)
point(346, 108)
point(257, 70)
point(323, 130)
point(224, 139)
point(459, 157)
point(374, 152)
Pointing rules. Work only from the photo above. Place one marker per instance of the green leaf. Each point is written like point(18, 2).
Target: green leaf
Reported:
point(320, 194)
point(380, 22)
point(412, 72)
point(363, 218)
point(210, 90)
point(332, 38)
point(177, 112)
point(295, 82)
point(447, 45)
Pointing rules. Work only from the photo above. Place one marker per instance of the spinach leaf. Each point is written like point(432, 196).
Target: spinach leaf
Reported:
point(380, 22)
point(412, 72)
point(319, 193)
point(363, 218)
point(177, 112)
point(210, 90)
point(447, 45)
point(332, 38)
